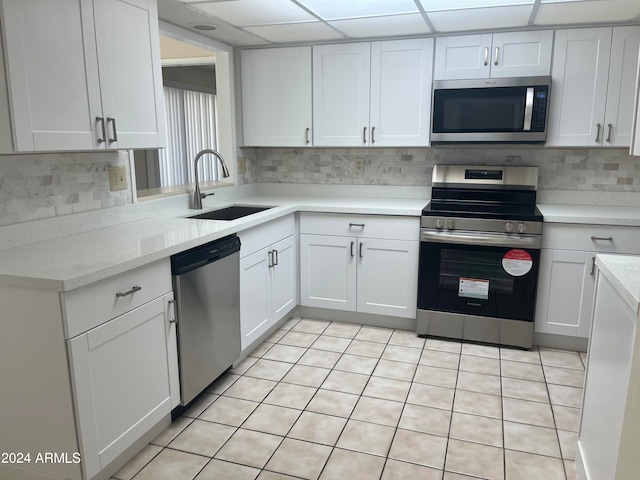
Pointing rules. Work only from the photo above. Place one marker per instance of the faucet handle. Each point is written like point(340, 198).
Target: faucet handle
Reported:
point(205, 195)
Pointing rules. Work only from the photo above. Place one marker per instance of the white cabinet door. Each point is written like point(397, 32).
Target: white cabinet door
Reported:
point(120, 376)
point(401, 75)
point(565, 292)
point(283, 278)
point(255, 302)
point(460, 57)
point(276, 96)
point(521, 54)
point(387, 277)
point(328, 272)
point(341, 78)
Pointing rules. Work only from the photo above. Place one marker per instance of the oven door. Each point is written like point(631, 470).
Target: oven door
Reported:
point(470, 273)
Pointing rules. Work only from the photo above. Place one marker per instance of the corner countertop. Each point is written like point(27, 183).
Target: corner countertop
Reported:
point(69, 262)
point(591, 214)
point(623, 271)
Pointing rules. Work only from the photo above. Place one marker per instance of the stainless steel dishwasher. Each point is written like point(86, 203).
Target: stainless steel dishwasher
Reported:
point(206, 283)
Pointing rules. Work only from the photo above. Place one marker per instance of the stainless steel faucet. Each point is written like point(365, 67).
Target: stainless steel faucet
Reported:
point(197, 195)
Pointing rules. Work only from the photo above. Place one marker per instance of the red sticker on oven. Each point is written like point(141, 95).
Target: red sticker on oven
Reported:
point(517, 262)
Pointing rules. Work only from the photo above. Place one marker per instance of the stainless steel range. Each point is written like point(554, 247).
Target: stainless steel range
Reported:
point(479, 255)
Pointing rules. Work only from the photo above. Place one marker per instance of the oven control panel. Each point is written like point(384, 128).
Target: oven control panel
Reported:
point(482, 224)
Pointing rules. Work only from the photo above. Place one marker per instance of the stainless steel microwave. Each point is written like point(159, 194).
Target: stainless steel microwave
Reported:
point(495, 110)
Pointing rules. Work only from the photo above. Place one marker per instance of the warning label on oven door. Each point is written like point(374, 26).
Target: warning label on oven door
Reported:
point(473, 288)
point(517, 262)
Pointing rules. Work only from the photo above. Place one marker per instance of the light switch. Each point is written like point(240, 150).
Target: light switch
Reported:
point(117, 178)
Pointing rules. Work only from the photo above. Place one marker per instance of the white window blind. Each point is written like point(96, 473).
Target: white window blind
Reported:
point(191, 127)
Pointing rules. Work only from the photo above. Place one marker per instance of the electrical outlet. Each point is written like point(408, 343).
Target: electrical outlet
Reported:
point(117, 178)
point(359, 164)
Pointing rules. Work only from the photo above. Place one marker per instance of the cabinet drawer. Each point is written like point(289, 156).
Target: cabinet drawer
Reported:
point(90, 306)
point(372, 226)
point(591, 238)
point(255, 238)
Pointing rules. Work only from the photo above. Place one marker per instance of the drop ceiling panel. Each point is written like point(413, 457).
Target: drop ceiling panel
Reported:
point(386, 26)
point(342, 9)
point(587, 12)
point(481, 18)
point(437, 5)
point(295, 32)
point(254, 12)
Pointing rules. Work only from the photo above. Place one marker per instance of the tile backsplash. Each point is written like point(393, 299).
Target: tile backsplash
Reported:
point(47, 185)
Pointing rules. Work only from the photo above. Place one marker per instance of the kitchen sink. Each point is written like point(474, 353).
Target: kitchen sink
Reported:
point(230, 213)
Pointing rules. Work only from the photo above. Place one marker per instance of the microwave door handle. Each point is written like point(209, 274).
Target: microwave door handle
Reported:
point(528, 110)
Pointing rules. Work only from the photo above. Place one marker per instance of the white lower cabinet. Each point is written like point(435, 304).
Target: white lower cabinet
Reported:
point(357, 267)
point(268, 277)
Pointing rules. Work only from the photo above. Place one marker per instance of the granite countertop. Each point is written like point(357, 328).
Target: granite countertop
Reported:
point(623, 271)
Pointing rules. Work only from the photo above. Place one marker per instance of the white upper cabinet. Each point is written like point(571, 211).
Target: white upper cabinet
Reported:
point(511, 54)
point(594, 75)
point(276, 96)
point(82, 75)
point(372, 94)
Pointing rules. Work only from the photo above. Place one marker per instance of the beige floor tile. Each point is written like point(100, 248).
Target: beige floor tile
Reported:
point(452, 346)
point(525, 466)
point(442, 377)
point(202, 438)
point(475, 364)
point(377, 410)
point(244, 365)
point(310, 326)
point(173, 465)
point(290, 395)
point(407, 339)
point(269, 369)
point(395, 470)
point(522, 370)
point(265, 475)
point(421, 448)
point(431, 396)
point(346, 330)
point(366, 437)
point(523, 411)
point(222, 384)
point(319, 358)
point(387, 389)
point(298, 339)
point(138, 462)
point(172, 431)
point(479, 382)
point(567, 418)
point(480, 350)
point(261, 349)
point(570, 469)
point(583, 357)
point(372, 334)
point(425, 420)
point(248, 388)
point(272, 419)
point(306, 375)
point(228, 410)
point(531, 439)
point(475, 459)
point(437, 358)
point(457, 476)
point(565, 396)
point(318, 428)
point(568, 444)
point(332, 403)
point(200, 405)
point(477, 429)
point(284, 353)
point(218, 469)
point(345, 464)
point(356, 364)
point(401, 353)
point(528, 356)
point(331, 344)
point(289, 324)
point(276, 336)
point(345, 382)
point(524, 390)
point(477, 404)
point(570, 377)
point(298, 458)
point(365, 348)
point(395, 370)
point(249, 448)
point(561, 358)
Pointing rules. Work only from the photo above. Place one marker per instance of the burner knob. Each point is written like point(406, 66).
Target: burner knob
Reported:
point(521, 227)
point(439, 223)
point(508, 227)
point(451, 224)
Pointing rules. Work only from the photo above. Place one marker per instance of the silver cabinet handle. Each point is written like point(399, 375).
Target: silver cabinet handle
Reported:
point(134, 289)
point(270, 258)
point(306, 135)
point(351, 249)
point(104, 129)
point(604, 239)
point(360, 252)
point(360, 225)
point(610, 127)
point(593, 265)
point(115, 131)
point(364, 135)
point(486, 55)
point(275, 258)
point(173, 318)
point(495, 56)
point(373, 131)
point(598, 127)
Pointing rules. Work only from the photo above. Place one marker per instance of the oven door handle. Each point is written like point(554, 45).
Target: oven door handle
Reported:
point(482, 239)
